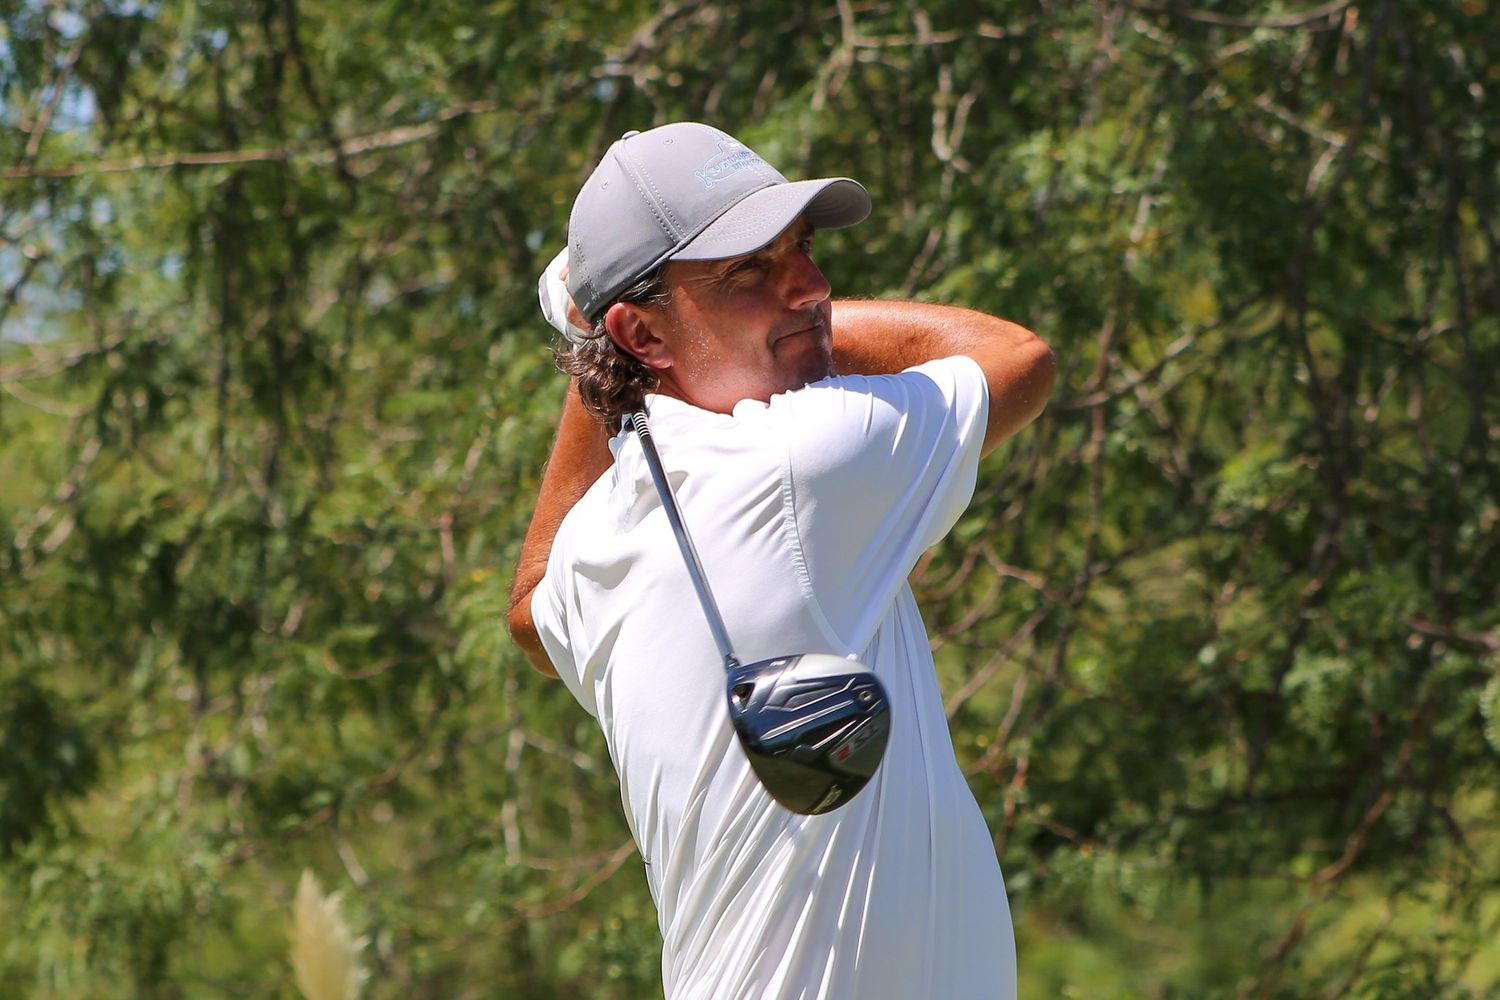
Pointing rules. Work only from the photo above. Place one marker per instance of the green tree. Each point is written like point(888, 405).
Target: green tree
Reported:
point(1219, 634)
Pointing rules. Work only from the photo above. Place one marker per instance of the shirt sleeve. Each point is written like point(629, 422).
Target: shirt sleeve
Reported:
point(879, 469)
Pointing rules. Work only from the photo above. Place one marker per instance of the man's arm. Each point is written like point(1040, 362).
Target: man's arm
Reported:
point(877, 338)
point(580, 454)
point(869, 338)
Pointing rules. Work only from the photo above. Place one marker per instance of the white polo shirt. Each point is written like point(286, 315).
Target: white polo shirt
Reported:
point(808, 513)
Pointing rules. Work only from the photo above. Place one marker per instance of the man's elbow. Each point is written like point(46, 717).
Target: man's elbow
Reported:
point(1021, 379)
point(523, 633)
point(1040, 376)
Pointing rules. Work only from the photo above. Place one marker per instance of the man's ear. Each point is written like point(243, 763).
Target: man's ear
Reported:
point(635, 330)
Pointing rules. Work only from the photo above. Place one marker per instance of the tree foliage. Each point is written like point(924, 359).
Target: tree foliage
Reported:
point(1219, 634)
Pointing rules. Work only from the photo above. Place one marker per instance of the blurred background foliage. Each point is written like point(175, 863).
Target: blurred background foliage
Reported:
point(1220, 634)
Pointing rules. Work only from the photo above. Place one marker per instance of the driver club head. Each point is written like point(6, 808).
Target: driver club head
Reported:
point(813, 725)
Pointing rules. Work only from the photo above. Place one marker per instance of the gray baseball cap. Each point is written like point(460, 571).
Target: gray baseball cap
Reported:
point(687, 191)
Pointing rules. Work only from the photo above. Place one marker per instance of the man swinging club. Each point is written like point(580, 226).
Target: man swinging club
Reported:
point(816, 449)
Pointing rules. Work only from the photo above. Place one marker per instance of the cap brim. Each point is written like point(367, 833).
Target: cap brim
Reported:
point(756, 221)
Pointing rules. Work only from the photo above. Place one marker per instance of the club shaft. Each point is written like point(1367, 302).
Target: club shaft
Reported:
point(684, 540)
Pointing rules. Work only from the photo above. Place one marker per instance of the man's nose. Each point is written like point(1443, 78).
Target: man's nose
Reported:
point(804, 284)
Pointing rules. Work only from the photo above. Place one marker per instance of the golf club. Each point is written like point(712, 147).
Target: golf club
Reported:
point(813, 725)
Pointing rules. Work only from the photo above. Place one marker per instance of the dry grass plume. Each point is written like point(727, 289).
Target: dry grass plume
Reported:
point(325, 955)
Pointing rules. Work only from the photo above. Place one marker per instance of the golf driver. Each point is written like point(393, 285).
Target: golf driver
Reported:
point(813, 725)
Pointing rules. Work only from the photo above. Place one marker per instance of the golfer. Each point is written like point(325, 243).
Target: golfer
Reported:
point(817, 450)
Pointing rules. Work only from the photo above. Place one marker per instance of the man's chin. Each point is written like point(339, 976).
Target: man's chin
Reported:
point(806, 358)
point(807, 374)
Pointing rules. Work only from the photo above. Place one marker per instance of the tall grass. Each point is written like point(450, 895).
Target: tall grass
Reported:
point(325, 955)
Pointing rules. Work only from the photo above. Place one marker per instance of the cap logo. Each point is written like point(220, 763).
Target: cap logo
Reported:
point(731, 158)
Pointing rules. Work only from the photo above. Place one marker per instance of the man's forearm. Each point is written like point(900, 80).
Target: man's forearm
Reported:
point(878, 338)
point(580, 454)
point(875, 337)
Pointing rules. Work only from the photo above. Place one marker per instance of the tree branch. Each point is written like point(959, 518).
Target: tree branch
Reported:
point(321, 154)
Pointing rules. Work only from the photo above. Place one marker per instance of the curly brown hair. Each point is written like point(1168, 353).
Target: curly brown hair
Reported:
point(612, 383)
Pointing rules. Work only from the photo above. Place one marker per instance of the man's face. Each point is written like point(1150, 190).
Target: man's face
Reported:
point(747, 327)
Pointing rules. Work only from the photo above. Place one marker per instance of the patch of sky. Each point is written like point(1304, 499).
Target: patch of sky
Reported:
point(38, 306)
point(34, 278)
point(76, 109)
point(606, 87)
point(67, 23)
point(8, 71)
